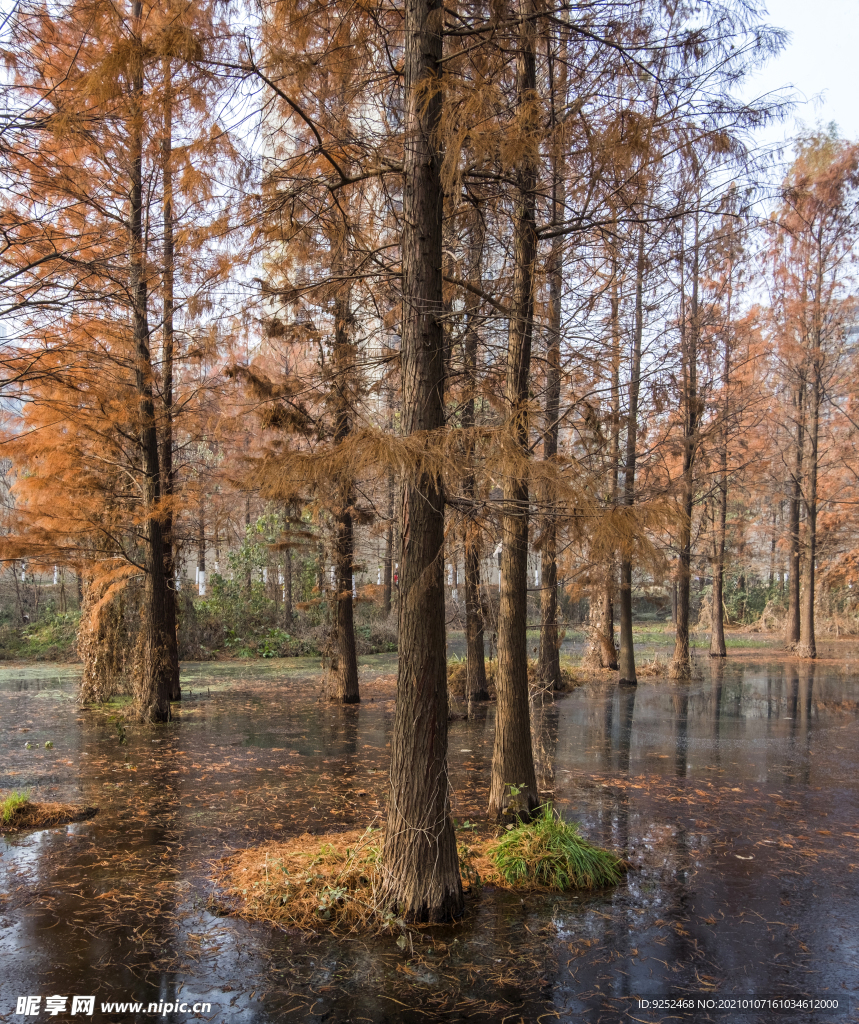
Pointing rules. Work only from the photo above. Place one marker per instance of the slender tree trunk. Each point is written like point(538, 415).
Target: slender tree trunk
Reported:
point(475, 682)
point(158, 662)
point(512, 758)
point(388, 567)
point(287, 588)
point(249, 578)
point(601, 652)
point(626, 657)
point(717, 607)
point(344, 664)
point(792, 628)
point(550, 655)
point(167, 358)
point(681, 666)
point(343, 685)
point(201, 550)
point(18, 600)
point(609, 651)
point(420, 865)
point(807, 647)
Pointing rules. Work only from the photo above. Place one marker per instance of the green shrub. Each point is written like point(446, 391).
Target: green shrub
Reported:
point(551, 852)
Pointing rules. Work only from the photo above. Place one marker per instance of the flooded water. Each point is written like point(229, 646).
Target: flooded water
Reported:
point(736, 798)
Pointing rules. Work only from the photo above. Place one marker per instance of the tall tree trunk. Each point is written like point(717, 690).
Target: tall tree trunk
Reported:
point(792, 627)
point(550, 655)
point(717, 607)
point(681, 667)
point(388, 567)
point(420, 863)
point(601, 652)
point(807, 647)
point(626, 657)
point(475, 667)
point(512, 757)
point(609, 651)
point(167, 358)
point(343, 683)
point(158, 662)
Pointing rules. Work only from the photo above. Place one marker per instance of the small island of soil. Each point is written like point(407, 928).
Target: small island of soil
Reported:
point(24, 815)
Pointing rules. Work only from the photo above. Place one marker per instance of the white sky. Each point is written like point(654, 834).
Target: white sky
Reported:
point(821, 62)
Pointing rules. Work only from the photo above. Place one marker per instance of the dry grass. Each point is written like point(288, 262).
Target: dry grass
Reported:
point(332, 881)
point(307, 882)
point(22, 814)
point(457, 675)
point(652, 669)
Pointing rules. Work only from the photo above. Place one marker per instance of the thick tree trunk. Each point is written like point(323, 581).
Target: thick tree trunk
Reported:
point(681, 666)
point(626, 656)
point(601, 652)
point(157, 656)
point(512, 758)
point(420, 862)
point(792, 626)
point(807, 647)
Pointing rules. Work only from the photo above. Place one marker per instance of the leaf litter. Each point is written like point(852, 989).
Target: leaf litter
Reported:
point(171, 809)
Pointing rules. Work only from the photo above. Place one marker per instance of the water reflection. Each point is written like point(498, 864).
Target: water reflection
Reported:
point(734, 796)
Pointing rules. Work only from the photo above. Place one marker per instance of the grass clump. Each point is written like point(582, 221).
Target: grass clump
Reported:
point(552, 853)
point(307, 884)
point(333, 882)
point(11, 803)
point(457, 673)
point(17, 813)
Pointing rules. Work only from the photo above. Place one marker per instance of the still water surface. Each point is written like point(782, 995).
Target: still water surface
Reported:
point(735, 796)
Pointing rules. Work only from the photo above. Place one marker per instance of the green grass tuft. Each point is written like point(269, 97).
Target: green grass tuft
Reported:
point(12, 802)
point(551, 852)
